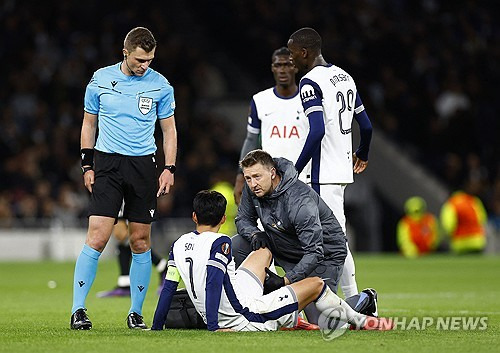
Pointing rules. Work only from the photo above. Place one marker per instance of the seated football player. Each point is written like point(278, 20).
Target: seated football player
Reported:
point(233, 300)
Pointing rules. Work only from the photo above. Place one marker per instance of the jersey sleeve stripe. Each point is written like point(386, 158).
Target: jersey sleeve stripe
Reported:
point(313, 109)
point(253, 130)
point(217, 264)
point(221, 257)
point(171, 263)
point(359, 109)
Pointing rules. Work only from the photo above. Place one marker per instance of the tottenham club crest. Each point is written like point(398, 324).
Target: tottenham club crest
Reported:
point(145, 104)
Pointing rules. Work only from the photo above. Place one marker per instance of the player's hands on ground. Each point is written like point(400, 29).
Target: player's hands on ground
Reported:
point(272, 281)
point(239, 184)
point(259, 240)
point(225, 330)
point(88, 179)
point(359, 165)
point(165, 181)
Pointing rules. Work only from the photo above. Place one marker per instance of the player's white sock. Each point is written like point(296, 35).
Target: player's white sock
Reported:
point(348, 279)
point(124, 281)
point(330, 305)
point(162, 265)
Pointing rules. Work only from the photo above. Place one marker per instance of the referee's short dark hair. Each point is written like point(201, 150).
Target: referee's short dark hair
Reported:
point(209, 207)
point(139, 37)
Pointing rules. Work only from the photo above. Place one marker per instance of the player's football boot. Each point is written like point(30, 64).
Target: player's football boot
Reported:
point(302, 324)
point(80, 320)
point(116, 292)
point(135, 321)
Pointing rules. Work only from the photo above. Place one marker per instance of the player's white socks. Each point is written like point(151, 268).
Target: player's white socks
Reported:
point(162, 265)
point(331, 305)
point(348, 279)
point(124, 281)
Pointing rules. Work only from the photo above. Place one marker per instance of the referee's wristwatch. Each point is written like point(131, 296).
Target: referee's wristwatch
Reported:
point(172, 168)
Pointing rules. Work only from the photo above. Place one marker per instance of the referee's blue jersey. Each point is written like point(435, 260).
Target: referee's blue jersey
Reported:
point(127, 108)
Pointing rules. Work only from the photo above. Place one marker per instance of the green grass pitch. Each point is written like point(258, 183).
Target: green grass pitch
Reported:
point(35, 318)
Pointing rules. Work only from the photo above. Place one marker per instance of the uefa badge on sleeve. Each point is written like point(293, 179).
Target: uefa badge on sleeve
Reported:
point(145, 104)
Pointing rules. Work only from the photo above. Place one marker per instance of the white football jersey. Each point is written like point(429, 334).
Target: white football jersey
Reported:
point(332, 90)
point(282, 124)
point(192, 254)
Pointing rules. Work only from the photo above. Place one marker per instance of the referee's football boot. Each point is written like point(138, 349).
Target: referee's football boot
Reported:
point(135, 321)
point(80, 320)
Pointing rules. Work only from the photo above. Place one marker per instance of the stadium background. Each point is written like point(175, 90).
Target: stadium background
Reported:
point(427, 71)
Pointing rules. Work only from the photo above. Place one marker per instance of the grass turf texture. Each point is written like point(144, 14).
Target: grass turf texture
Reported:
point(35, 318)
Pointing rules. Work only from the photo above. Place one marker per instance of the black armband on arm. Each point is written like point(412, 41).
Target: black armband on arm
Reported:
point(87, 155)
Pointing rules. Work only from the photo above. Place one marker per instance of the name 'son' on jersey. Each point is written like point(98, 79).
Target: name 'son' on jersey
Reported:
point(284, 132)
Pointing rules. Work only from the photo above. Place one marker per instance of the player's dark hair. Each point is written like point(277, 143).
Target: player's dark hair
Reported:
point(307, 38)
point(139, 37)
point(257, 156)
point(209, 207)
point(283, 51)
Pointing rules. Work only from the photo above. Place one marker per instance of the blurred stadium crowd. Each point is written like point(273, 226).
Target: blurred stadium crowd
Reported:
point(427, 71)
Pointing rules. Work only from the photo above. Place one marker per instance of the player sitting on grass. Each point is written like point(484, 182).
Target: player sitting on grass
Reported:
point(230, 300)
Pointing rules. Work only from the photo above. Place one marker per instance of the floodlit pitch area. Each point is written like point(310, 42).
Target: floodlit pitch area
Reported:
point(434, 300)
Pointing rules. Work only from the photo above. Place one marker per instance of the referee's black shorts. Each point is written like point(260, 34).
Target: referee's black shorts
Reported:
point(127, 179)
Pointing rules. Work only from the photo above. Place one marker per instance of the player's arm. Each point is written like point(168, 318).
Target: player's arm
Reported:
point(360, 157)
point(305, 216)
point(220, 255)
point(311, 97)
point(170, 284)
point(246, 219)
point(252, 142)
point(169, 133)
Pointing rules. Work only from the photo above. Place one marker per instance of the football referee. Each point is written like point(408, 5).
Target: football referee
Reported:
point(124, 101)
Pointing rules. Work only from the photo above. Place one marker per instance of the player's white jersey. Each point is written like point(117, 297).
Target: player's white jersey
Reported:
point(192, 254)
point(282, 124)
point(332, 90)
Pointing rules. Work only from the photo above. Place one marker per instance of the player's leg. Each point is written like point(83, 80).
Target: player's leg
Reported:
point(98, 235)
point(330, 272)
point(333, 195)
point(348, 279)
point(314, 290)
point(256, 263)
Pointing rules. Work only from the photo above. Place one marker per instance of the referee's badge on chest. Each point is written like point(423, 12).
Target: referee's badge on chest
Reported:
point(145, 104)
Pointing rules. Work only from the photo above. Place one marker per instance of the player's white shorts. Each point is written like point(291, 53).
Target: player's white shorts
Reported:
point(249, 291)
point(333, 195)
